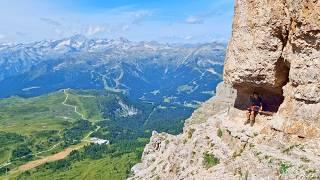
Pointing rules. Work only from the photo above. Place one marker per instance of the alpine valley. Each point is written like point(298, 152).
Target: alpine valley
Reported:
point(80, 108)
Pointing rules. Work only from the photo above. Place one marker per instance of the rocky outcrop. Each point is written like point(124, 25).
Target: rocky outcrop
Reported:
point(215, 144)
point(274, 50)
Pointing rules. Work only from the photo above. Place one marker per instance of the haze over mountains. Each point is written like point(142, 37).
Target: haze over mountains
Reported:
point(150, 71)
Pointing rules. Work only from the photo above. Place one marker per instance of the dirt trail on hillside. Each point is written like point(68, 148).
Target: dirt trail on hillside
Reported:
point(58, 156)
point(73, 106)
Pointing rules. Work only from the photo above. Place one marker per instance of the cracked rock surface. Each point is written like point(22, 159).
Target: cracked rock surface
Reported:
point(275, 49)
point(235, 150)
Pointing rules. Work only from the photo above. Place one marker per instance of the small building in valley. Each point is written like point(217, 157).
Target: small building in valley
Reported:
point(99, 141)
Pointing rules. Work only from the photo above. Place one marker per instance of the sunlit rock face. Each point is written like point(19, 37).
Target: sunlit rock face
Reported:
point(275, 50)
point(237, 151)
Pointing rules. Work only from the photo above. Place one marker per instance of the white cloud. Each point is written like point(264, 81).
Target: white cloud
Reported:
point(58, 31)
point(51, 21)
point(93, 30)
point(188, 37)
point(193, 20)
point(139, 16)
point(177, 39)
point(125, 28)
point(19, 33)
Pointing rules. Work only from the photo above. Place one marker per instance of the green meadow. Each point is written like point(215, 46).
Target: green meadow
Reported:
point(48, 124)
point(34, 122)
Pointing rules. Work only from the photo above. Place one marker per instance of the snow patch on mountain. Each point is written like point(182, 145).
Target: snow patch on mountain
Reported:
point(155, 92)
point(212, 71)
point(126, 110)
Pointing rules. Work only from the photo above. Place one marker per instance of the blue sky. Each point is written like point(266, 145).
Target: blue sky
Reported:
point(182, 21)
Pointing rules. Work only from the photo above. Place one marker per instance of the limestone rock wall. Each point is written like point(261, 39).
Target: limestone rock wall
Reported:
point(275, 50)
point(215, 144)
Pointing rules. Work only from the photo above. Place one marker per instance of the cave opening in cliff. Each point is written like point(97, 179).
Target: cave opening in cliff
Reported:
point(272, 97)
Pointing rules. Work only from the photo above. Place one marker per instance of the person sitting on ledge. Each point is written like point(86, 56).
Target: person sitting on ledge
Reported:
point(254, 109)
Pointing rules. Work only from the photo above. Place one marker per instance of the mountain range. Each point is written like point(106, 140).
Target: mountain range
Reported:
point(183, 74)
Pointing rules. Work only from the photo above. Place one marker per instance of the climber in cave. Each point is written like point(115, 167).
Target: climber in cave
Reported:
point(254, 109)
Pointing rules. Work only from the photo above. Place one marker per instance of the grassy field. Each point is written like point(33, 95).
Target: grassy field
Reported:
point(36, 124)
point(27, 116)
point(105, 168)
point(39, 122)
point(87, 103)
point(35, 119)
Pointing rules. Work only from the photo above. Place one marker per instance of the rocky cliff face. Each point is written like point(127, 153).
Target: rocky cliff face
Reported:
point(274, 50)
point(215, 144)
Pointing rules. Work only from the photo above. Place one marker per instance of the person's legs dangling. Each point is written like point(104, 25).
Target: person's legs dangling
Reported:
point(253, 117)
point(248, 114)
